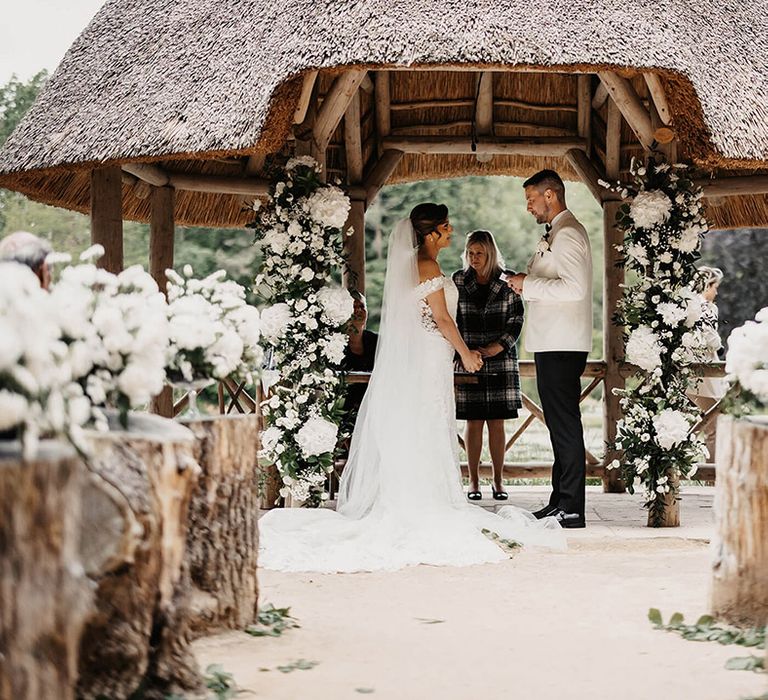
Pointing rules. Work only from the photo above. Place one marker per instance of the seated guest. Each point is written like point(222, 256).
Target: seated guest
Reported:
point(27, 249)
point(360, 352)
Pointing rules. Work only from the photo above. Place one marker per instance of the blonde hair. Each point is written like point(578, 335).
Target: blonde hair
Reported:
point(706, 277)
point(494, 260)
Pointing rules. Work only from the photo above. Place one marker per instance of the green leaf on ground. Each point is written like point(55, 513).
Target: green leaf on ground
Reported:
point(220, 682)
point(654, 615)
point(272, 622)
point(745, 663)
point(300, 665)
point(365, 691)
point(429, 621)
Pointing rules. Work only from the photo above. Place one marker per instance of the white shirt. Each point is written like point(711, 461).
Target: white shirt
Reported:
point(558, 290)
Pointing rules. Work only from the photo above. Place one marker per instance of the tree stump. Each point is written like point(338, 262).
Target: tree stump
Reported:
point(223, 537)
point(669, 507)
point(136, 636)
point(44, 591)
point(740, 545)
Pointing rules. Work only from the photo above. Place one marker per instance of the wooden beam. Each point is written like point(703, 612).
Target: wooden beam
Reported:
point(161, 244)
point(107, 215)
point(584, 106)
point(484, 103)
point(436, 129)
point(734, 186)
point(380, 173)
point(367, 85)
point(151, 174)
point(600, 96)
point(302, 105)
point(354, 247)
point(383, 106)
point(538, 146)
point(334, 105)
point(629, 104)
point(588, 173)
point(613, 143)
point(353, 146)
point(656, 90)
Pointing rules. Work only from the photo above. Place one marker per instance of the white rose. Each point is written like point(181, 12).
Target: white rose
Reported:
point(644, 349)
point(329, 206)
point(270, 437)
point(275, 321)
point(307, 275)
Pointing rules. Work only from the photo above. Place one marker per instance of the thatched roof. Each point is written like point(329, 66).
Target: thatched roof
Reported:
point(196, 85)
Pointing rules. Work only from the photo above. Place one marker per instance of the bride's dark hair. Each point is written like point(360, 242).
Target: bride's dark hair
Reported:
point(426, 217)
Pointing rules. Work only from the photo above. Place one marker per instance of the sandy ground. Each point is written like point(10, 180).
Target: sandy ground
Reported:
point(543, 625)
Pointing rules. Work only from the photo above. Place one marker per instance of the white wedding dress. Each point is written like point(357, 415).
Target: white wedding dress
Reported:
point(401, 500)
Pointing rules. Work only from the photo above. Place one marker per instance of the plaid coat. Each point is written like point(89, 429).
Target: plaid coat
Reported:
point(501, 319)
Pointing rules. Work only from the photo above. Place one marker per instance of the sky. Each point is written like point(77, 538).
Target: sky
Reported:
point(35, 34)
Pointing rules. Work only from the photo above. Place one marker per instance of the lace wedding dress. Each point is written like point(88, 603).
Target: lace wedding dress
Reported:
point(401, 500)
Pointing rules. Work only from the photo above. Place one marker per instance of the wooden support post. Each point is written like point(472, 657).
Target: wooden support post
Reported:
point(613, 277)
point(584, 97)
point(353, 146)
point(161, 244)
point(588, 173)
point(484, 110)
point(107, 215)
point(740, 547)
point(354, 246)
point(381, 95)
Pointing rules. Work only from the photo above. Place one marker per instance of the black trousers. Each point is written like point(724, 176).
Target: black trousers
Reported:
point(558, 375)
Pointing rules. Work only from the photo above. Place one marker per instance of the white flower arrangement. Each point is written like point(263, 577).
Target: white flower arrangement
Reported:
point(214, 333)
point(116, 329)
point(746, 366)
point(662, 318)
point(39, 393)
point(300, 230)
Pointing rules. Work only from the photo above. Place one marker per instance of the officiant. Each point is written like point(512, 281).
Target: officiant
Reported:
point(490, 318)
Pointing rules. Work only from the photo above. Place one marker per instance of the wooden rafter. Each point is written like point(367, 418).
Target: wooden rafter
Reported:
point(656, 90)
point(536, 146)
point(380, 173)
point(334, 105)
point(630, 106)
point(584, 108)
point(353, 146)
point(383, 106)
point(300, 113)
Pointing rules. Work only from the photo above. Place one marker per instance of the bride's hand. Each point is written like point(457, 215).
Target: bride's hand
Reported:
point(472, 361)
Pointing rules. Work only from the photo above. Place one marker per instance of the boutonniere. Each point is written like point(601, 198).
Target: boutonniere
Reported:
point(543, 245)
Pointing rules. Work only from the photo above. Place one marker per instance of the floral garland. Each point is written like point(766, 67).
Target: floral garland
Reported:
point(663, 224)
point(301, 231)
point(746, 365)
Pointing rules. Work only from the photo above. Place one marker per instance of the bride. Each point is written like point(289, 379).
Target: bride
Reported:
point(401, 500)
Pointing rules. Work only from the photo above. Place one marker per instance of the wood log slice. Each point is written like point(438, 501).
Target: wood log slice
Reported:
point(45, 594)
point(136, 638)
point(223, 538)
point(740, 544)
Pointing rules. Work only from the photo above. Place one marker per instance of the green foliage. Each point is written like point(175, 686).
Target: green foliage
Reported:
point(16, 97)
point(272, 622)
point(706, 629)
point(300, 665)
point(220, 682)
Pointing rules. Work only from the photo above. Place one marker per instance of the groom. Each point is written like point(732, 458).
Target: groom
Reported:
point(558, 290)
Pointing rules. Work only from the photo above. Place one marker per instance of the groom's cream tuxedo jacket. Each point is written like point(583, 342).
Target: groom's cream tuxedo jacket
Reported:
point(558, 290)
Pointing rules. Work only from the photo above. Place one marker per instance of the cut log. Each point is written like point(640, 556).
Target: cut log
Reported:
point(137, 632)
point(44, 590)
point(740, 545)
point(222, 538)
point(670, 508)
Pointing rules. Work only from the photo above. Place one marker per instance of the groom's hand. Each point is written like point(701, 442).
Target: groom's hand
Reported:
point(491, 350)
point(515, 283)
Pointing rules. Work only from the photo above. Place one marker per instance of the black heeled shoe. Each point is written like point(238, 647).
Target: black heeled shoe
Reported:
point(499, 495)
point(475, 495)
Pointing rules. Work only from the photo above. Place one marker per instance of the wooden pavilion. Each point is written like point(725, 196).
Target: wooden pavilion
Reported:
point(170, 112)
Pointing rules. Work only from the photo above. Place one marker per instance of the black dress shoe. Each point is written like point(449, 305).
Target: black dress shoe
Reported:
point(475, 496)
point(545, 511)
point(499, 495)
point(569, 520)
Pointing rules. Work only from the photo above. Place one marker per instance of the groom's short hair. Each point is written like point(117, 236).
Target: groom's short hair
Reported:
point(547, 180)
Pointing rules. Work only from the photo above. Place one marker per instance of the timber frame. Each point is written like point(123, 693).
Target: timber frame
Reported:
point(353, 121)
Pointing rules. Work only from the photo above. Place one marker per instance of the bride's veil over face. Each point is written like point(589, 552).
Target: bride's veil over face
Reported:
point(387, 423)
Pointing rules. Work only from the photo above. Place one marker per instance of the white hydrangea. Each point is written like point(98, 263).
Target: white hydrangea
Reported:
point(671, 428)
point(333, 347)
point(689, 240)
point(329, 206)
point(644, 349)
point(277, 241)
point(275, 320)
point(747, 358)
point(270, 438)
point(650, 208)
point(337, 304)
point(671, 313)
point(316, 437)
